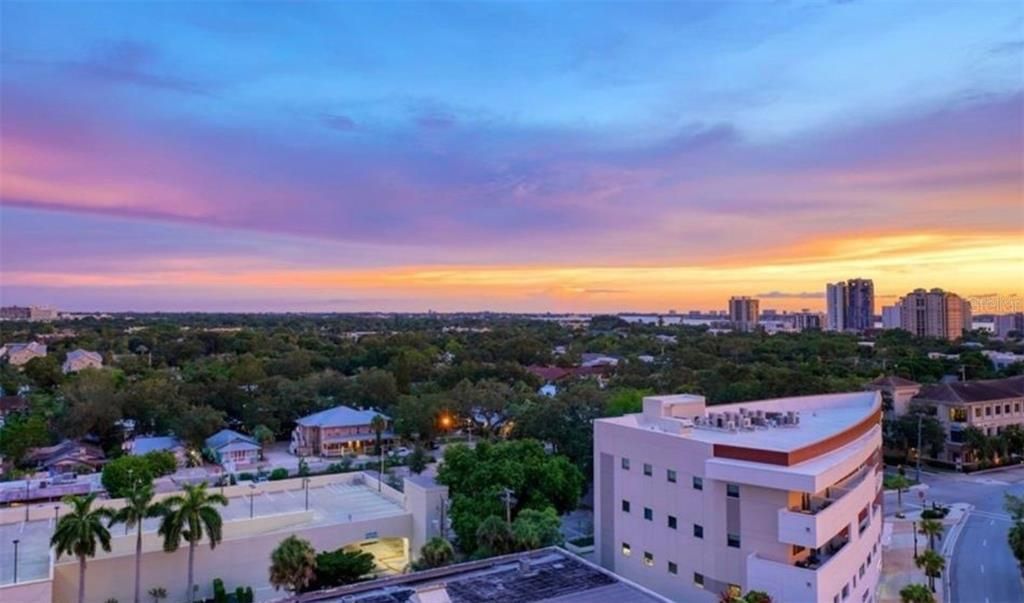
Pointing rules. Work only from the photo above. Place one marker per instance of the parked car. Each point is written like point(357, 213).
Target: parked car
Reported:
point(401, 452)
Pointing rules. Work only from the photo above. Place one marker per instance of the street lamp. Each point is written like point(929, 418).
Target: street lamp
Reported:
point(28, 484)
point(56, 515)
point(252, 500)
point(16, 541)
point(914, 525)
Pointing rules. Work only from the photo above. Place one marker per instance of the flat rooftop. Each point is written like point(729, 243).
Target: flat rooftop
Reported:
point(330, 504)
point(821, 417)
point(545, 575)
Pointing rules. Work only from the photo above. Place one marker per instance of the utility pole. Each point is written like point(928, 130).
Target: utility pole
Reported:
point(963, 372)
point(918, 450)
point(15, 541)
point(507, 494)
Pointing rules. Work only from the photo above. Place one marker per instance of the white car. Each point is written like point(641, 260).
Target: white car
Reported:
point(401, 452)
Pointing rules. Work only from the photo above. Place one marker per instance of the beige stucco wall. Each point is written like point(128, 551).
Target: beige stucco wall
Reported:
point(242, 559)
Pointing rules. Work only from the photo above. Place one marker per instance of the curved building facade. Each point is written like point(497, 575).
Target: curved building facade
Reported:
point(782, 496)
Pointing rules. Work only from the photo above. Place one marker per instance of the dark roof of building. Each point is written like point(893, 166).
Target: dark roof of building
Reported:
point(66, 451)
point(547, 575)
point(893, 381)
point(974, 391)
point(556, 373)
point(12, 404)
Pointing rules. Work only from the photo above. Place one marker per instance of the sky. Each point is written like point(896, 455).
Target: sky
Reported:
point(532, 156)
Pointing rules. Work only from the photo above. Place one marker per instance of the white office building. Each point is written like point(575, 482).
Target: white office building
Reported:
point(782, 496)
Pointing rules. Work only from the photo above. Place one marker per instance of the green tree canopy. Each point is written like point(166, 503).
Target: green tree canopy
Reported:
point(478, 477)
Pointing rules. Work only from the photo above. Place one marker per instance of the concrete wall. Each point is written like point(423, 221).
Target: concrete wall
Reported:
point(37, 591)
point(242, 559)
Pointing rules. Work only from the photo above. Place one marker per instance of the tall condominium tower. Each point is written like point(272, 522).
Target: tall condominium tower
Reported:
point(850, 305)
point(836, 302)
point(860, 304)
point(744, 312)
point(935, 313)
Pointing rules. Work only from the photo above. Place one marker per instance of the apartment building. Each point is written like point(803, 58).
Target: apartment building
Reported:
point(782, 496)
point(990, 405)
point(850, 305)
point(744, 312)
point(935, 313)
point(338, 431)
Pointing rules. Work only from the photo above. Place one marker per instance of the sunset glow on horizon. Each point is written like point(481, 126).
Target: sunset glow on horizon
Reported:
point(406, 157)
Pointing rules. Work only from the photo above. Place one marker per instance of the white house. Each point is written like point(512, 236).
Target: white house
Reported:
point(233, 449)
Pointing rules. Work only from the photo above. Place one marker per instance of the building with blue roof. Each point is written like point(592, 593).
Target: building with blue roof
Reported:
point(338, 431)
point(233, 449)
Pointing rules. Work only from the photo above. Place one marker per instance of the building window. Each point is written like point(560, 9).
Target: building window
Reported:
point(998, 409)
point(1007, 409)
point(648, 469)
point(626, 549)
point(698, 580)
point(733, 540)
point(648, 514)
point(988, 411)
point(671, 475)
point(735, 591)
point(846, 591)
point(648, 559)
point(672, 522)
point(958, 414)
point(1016, 407)
point(977, 411)
point(698, 483)
point(673, 568)
point(698, 531)
point(625, 463)
point(732, 490)
point(861, 570)
point(625, 506)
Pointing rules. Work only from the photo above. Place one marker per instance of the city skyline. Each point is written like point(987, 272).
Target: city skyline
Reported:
point(414, 157)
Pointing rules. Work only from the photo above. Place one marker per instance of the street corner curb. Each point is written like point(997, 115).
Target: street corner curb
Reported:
point(949, 547)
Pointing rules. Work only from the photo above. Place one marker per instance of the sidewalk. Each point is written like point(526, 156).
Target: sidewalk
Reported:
point(898, 569)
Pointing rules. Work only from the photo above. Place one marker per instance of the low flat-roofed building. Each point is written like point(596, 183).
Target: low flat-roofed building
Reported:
point(545, 575)
point(350, 511)
point(782, 496)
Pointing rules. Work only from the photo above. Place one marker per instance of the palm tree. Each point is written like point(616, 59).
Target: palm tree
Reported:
point(916, 593)
point(158, 593)
point(899, 483)
point(437, 552)
point(79, 531)
point(932, 563)
point(292, 564)
point(932, 529)
point(189, 516)
point(139, 505)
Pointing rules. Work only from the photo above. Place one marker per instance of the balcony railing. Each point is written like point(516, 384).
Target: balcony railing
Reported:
point(820, 556)
point(812, 505)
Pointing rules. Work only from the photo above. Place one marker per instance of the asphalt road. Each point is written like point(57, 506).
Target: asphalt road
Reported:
point(983, 569)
